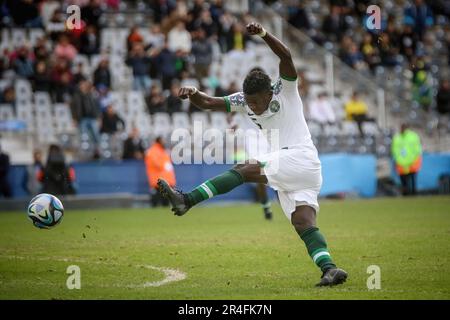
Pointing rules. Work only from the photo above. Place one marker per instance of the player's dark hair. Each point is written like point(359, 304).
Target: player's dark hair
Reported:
point(256, 81)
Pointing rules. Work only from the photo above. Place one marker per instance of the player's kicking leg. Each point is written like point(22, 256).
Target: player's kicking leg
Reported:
point(227, 181)
point(303, 218)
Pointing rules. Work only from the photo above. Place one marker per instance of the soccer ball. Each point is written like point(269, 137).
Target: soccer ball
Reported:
point(45, 211)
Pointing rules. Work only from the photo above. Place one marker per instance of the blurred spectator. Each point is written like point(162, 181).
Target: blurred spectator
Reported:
point(86, 111)
point(134, 37)
point(5, 188)
point(370, 51)
point(140, 63)
point(23, 65)
point(179, 38)
point(111, 122)
point(226, 22)
point(217, 9)
point(133, 146)
point(418, 15)
point(102, 75)
point(57, 25)
point(421, 90)
point(61, 78)
point(156, 37)
point(196, 9)
point(202, 52)
point(174, 104)
point(206, 23)
point(407, 154)
point(79, 74)
point(408, 41)
point(41, 78)
point(165, 62)
point(357, 110)
point(57, 177)
point(321, 110)
point(237, 38)
point(155, 100)
point(388, 51)
point(89, 41)
point(298, 16)
point(33, 185)
point(334, 25)
point(161, 9)
point(443, 97)
point(159, 166)
point(64, 49)
point(104, 97)
point(8, 96)
point(92, 12)
point(24, 13)
point(41, 50)
point(354, 58)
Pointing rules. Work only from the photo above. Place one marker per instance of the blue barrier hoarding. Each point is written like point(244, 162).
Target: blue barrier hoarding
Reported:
point(342, 173)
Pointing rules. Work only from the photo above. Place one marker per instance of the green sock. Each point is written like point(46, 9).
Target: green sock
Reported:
point(317, 248)
point(223, 183)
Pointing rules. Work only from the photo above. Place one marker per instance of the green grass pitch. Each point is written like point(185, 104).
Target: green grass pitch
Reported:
point(229, 252)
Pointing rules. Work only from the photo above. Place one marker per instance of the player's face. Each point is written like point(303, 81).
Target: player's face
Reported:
point(258, 102)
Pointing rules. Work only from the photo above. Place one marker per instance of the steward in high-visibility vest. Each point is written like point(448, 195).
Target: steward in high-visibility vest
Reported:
point(159, 165)
point(407, 151)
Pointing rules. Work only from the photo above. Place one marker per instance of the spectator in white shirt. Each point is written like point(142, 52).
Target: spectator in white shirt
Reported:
point(179, 38)
point(321, 110)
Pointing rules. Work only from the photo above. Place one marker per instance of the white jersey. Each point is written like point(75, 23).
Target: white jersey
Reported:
point(285, 114)
point(292, 167)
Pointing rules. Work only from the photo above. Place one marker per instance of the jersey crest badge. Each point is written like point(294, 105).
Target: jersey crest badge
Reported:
point(274, 106)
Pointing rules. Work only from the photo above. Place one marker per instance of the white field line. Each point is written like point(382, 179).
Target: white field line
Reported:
point(170, 275)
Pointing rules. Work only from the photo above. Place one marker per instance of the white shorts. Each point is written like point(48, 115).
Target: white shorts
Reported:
point(296, 174)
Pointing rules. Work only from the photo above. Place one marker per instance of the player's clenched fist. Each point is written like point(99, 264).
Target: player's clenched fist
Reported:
point(186, 92)
point(254, 28)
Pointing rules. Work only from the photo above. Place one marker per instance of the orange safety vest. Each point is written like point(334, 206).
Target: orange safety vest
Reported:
point(413, 168)
point(159, 165)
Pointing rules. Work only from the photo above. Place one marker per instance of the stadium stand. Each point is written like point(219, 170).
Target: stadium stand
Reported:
point(117, 37)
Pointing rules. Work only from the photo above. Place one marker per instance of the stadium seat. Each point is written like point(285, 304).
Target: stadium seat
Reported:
point(35, 34)
point(161, 125)
point(6, 112)
point(94, 61)
point(144, 124)
point(219, 120)
point(199, 123)
point(18, 37)
point(84, 60)
point(63, 118)
point(23, 88)
point(4, 83)
point(181, 120)
point(45, 134)
point(350, 128)
point(135, 100)
point(370, 129)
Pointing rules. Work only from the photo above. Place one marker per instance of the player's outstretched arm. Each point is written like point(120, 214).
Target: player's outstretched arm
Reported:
point(287, 68)
point(202, 100)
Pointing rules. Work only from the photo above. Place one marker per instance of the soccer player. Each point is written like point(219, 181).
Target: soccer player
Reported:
point(294, 170)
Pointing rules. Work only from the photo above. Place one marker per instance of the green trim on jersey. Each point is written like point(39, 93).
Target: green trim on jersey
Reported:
point(288, 78)
point(227, 103)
